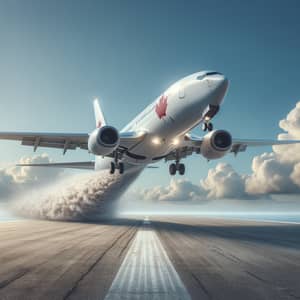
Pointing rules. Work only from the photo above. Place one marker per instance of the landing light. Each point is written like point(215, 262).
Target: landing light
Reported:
point(156, 141)
point(175, 141)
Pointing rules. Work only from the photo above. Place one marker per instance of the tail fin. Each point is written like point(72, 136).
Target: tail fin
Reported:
point(100, 120)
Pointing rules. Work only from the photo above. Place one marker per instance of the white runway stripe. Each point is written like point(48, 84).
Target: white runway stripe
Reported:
point(147, 272)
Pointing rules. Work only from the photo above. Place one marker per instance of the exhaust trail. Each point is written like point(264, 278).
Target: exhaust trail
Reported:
point(91, 196)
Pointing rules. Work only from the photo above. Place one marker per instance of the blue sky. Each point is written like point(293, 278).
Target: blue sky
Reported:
point(55, 56)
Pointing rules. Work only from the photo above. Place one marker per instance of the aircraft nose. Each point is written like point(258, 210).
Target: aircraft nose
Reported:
point(219, 85)
point(219, 81)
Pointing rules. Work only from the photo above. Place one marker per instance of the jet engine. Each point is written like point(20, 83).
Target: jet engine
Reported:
point(216, 144)
point(104, 140)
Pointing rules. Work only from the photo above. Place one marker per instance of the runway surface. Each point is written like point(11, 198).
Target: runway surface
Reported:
point(166, 258)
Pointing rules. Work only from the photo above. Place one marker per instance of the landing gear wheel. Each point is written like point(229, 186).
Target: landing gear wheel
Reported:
point(204, 126)
point(121, 168)
point(181, 169)
point(210, 126)
point(112, 168)
point(172, 169)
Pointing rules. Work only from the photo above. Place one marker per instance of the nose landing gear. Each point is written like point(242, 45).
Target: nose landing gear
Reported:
point(207, 126)
point(174, 167)
point(116, 165)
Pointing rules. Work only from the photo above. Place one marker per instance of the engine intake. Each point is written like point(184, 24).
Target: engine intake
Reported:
point(104, 140)
point(216, 144)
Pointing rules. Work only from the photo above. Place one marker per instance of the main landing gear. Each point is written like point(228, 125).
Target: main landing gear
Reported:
point(174, 167)
point(207, 126)
point(116, 165)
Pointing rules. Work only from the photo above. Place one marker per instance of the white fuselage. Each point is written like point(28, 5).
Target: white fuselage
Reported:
point(165, 121)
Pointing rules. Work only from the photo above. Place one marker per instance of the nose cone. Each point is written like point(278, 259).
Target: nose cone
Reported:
point(219, 85)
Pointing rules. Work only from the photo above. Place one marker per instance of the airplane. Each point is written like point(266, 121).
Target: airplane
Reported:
point(162, 131)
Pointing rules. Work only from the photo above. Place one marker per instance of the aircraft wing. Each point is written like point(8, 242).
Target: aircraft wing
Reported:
point(84, 165)
point(192, 144)
point(240, 145)
point(67, 141)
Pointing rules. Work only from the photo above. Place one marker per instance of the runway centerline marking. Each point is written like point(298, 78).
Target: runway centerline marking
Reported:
point(147, 272)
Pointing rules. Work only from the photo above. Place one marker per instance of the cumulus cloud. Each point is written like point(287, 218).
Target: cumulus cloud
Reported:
point(177, 190)
point(291, 126)
point(14, 180)
point(295, 176)
point(224, 182)
point(221, 182)
point(272, 173)
point(278, 171)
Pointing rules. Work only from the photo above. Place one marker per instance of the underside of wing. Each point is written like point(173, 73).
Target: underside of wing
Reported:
point(68, 141)
point(65, 141)
point(193, 144)
point(84, 165)
point(240, 145)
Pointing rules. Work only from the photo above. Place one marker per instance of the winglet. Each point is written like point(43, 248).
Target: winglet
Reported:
point(99, 117)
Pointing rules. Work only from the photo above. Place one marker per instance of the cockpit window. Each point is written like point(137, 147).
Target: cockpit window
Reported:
point(213, 73)
point(200, 77)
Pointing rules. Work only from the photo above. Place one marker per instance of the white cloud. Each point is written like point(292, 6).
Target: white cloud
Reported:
point(14, 179)
point(177, 190)
point(278, 171)
point(223, 182)
point(295, 176)
point(270, 175)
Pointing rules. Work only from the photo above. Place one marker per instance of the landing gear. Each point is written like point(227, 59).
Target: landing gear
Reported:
point(181, 169)
point(119, 166)
point(174, 167)
point(116, 165)
point(207, 126)
point(112, 168)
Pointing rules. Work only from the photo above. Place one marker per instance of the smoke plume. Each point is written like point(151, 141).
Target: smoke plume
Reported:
point(82, 197)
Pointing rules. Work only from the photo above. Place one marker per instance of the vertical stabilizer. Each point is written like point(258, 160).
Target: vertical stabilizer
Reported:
point(99, 117)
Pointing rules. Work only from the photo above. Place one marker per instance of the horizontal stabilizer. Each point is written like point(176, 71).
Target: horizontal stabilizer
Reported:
point(84, 165)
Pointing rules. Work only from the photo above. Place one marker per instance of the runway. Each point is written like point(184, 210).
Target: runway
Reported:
point(166, 258)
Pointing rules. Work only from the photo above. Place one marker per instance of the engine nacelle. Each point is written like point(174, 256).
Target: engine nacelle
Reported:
point(104, 140)
point(216, 144)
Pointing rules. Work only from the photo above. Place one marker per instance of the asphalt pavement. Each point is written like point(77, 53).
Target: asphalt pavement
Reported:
point(164, 258)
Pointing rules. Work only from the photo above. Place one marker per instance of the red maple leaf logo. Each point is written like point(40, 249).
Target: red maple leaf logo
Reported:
point(161, 106)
